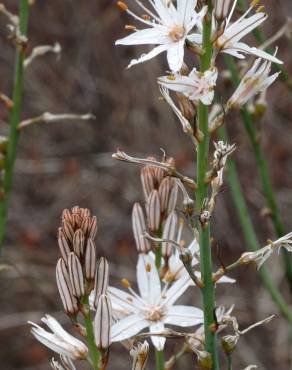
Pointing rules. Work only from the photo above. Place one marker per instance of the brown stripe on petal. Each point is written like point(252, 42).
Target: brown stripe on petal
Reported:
point(90, 260)
point(102, 323)
point(163, 192)
point(139, 227)
point(93, 228)
point(147, 181)
point(68, 230)
point(63, 245)
point(85, 225)
point(172, 200)
point(78, 242)
point(158, 174)
point(65, 288)
point(169, 232)
point(76, 275)
point(66, 215)
point(153, 211)
point(101, 279)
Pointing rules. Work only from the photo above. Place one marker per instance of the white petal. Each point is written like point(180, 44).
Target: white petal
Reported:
point(241, 28)
point(196, 38)
point(157, 341)
point(186, 10)
point(175, 291)
point(148, 281)
point(258, 53)
point(144, 57)
point(175, 55)
point(183, 316)
point(155, 35)
point(128, 327)
point(122, 301)
point(226, 279)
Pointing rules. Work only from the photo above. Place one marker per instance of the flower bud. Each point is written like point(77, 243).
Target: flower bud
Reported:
point(76, 275)
point(90, 260)
point(172, 198)
point(229, 343)
point(92, 228)
point(101, 279)
point(140, 355)
point(139, 227)
point(68, 230)
point(65, 288)
point(153, 211)
point(204, 359)
point(147, 181)
point(169, 233)
point(63, 245)
point(78, 242)
point(102, 323)
point(221, 9)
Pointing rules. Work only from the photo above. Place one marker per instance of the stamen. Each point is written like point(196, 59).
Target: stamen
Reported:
point(130, 27)
point(123, 6)
point(126, 283)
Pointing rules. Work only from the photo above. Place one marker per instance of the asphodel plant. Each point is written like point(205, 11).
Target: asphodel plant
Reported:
point(172, 226)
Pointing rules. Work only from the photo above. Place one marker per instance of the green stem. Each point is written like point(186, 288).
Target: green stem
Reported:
point(262, 168)
point(10, 155)
point(229, 362)
point(208, 290)
point(93, 351)
point(158, 257)
point(249, 232)
point(159, 359)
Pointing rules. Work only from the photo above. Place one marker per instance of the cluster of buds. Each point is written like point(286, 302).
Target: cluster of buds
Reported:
point(76, 270)
point(160, 192)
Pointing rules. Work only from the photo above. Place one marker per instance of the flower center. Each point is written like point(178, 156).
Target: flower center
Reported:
point(177, 33)
point(155, 314)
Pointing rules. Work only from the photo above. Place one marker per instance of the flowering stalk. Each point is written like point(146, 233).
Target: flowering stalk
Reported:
point(249, 232)
point(10, 155)
point(208, 290)
point(94, 353)
point(263, 170)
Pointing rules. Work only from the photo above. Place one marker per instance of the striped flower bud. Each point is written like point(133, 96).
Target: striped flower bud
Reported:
point(63, 245)
point(158, 174)
point(90, 260)
point(102, 323)
point(76, 220)
point(147, 181)
point(85, 225)
point(66, 216)
point(65, 288)
point(78, 242)
point(101, 279)
point(76, 275)
point(92, 228)
point(68, 230)
point(163, 192)
point(140, 355)
point(172, 197)
point(153, 211)
point(139, 227)
point(169, 233)
point(221, 9)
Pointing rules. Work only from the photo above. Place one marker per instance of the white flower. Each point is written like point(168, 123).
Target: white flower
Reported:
point(59, 340)
point(256, 80)
point(153, 308)
point(168, 28)
point(229, 40)
point(196, 86)
point(284, 242)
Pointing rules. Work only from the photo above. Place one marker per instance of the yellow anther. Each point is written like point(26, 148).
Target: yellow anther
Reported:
point(126, 283)
point(148, 267)
point(171, 77)
point(254, 3)
point(130, 27)
point(123, 6)
point(182, 243)
point(146, 17)
point(260, 9)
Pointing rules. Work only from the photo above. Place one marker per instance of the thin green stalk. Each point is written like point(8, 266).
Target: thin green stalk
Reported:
point(249, 232)
point(262, 168)
point(158, 257)
point(159, 359)
point(10, 155)
point(229, 361)
point(208, 290)
point(93, 351)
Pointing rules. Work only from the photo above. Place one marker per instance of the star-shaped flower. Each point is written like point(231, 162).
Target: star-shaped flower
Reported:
point(196, 86)
point(153, 308)
point(169, 27)
point(229, 41)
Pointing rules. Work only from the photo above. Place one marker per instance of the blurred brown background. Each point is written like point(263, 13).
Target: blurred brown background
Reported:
point(69, 163)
